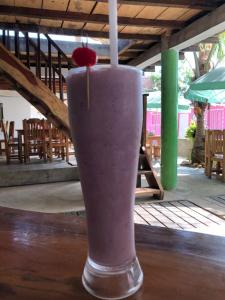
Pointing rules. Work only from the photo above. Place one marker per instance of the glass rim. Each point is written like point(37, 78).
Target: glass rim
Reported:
point(76, 70)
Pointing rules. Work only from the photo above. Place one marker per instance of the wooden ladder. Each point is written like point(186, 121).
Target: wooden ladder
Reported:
point(154, 188)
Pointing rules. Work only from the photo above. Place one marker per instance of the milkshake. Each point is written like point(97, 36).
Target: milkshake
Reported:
point(106, 134)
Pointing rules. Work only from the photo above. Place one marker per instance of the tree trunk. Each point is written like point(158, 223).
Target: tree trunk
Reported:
point(198, 151)
point(202, 66)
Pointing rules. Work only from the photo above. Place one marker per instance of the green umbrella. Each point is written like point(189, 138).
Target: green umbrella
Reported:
point(154, 101)
point(208, 88)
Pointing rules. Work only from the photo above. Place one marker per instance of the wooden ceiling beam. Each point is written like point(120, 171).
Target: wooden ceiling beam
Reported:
point(76, 32)
point(181, 57)
point(48, 14)
point(149, 69)
point(194, 48)
point(144, 47)
point(158, 63)
point(197, 4)
point(211, 40)
point(138, 48)
point(126, 46)
point(200, 30)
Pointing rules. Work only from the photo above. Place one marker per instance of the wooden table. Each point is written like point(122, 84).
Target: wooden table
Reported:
point(42, 257)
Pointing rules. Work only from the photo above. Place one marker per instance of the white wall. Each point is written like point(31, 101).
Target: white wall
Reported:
point(16, 108)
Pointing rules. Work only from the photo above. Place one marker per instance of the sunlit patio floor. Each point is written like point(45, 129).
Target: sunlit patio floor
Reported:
point(197, 204)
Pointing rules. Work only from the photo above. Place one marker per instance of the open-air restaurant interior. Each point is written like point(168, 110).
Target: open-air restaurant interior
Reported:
point(112, 149)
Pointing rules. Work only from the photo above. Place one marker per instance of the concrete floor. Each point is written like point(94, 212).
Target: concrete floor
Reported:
point(192, 185)
point(50, 197)
point(37, 172)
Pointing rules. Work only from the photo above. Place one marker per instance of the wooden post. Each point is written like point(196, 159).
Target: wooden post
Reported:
point(16, 40)
point(27, 49)
point(38, 54)
point(3, 37)
point(46, 74)
point(8, 41)
point(54, 87)
point(60, 77)
point(49, 65)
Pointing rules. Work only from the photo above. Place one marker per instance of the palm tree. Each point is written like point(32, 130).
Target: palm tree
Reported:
point(208, 58)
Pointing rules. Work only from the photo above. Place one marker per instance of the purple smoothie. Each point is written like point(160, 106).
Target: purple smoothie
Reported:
point(107, 139)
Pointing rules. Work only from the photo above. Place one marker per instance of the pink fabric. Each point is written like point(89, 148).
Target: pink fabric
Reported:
point(214, 119)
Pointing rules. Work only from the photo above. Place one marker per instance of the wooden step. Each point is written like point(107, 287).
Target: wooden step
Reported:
point(146, 192)
point(144, 172)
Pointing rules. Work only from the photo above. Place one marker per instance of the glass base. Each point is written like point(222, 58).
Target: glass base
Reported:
point(112, 282)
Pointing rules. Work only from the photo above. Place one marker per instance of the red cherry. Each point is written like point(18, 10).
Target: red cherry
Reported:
point(84, 57)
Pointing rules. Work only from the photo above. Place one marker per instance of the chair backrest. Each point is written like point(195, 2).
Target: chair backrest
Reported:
point(11, 131)
point(4, 128)
point(208, 137)
point(33, 129)
point(6, 131)
point(215, 141)
point(57, 134)
point(154, 140)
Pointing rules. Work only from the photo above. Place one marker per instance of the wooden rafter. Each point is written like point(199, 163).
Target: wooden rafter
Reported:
point(144, 47)
point(198, 31)
point(83, 17)
point(138, 48)
point(149, 69)
point(76, 32)
point(197, 4)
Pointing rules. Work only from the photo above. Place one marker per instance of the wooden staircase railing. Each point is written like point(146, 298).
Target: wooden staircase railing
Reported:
point(47, 67)
point(30, 86)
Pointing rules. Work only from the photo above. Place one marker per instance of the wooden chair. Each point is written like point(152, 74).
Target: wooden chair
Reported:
point(58, 144)
point(153, 146)
point(208, 137)
point(3, 126)
point(34, 139)
point(71, 148)
point(11, 146)
point(215, 152)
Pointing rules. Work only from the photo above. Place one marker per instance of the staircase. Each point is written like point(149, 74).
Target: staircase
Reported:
point(36, 76)
point(154, 188)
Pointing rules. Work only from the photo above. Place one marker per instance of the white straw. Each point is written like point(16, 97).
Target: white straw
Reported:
point(113, 33)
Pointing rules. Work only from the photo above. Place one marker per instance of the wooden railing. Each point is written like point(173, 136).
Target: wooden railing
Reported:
point(47, 67)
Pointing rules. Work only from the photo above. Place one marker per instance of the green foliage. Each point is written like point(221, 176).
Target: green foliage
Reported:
point(219, 50)
point(191, 130)
point(156, 81)
point(186, 76)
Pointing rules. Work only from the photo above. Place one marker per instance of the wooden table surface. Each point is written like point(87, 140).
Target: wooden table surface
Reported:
point(42, 257)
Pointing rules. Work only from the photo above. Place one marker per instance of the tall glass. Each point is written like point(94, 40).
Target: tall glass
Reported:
point(106, 130)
